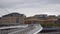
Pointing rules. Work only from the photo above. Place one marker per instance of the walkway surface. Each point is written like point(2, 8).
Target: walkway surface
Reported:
point(31, 29)
point(8, 29)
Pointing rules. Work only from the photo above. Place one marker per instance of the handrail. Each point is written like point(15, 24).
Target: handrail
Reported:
point(8, 27)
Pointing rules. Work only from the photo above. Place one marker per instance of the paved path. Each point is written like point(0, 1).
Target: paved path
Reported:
point(8, 29)
point(32, 29)
point(37, 29)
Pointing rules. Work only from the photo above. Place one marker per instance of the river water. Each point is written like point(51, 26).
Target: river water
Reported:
point(50, 31)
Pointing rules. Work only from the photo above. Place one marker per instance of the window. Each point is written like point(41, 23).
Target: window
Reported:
point(17, 20)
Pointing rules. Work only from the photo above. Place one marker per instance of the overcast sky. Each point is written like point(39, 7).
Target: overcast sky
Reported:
point(30, 7)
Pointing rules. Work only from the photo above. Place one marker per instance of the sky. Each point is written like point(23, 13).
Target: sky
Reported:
point(30, 7)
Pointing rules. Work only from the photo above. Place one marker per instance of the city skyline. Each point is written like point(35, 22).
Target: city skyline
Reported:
point(32, 15)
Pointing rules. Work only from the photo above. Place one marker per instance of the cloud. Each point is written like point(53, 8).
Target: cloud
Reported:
point(19, 3)
point(54, 1)
point(26, 3)
point(30, 7)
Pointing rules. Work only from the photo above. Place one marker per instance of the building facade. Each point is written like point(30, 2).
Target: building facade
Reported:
point(16, 18)
point(43, 18)
point(13, 18)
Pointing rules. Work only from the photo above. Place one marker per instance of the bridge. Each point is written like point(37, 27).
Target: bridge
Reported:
point(26, 29)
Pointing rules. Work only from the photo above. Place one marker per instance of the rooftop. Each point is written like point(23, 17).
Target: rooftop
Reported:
point(13, 14)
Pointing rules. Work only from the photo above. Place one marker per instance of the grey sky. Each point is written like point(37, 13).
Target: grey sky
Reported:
point(30, 7)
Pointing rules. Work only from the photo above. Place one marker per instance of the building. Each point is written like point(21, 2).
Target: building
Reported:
point(36, 18)
point(0, 19)
point(13, 18)
point(42, 18)
point(58, 19)
point(16, 18)
point(51, 19)
point(58, 16)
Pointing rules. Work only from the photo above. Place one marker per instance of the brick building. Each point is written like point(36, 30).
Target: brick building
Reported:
point(42, 18)
point(36, 18)
point(16, 18)
point(13, 18)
